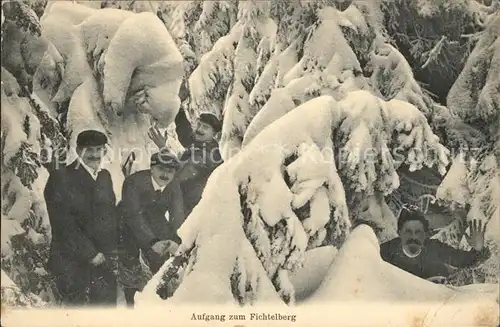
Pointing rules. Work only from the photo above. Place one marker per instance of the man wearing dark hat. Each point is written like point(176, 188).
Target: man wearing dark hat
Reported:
point(82, 209)
point(152, 211)
point(202, 137)
point(201, 156)
point(414, 252)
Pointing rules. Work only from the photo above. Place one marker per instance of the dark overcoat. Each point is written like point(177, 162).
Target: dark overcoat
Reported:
point(433, 259)
point(144, 219)
point(84, 222)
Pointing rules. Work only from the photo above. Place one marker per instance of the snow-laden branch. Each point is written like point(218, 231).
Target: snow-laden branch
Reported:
point(209, 82)
point(238, 112)
point(474, 96)
point(284, 194)
point(115, 79)
point(392, 76)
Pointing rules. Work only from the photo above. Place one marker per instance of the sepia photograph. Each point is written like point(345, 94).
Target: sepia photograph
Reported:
point(250, 163)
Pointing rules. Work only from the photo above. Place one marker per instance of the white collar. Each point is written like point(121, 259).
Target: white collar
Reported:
point(156, 186)
point(89, 170)
point(412, 255)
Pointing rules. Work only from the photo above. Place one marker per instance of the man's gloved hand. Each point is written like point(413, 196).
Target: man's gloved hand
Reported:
point(98, 259)
point(160, 247)
point(111, 264)
point(438, 279)
point(163, 248)
point(172, 247)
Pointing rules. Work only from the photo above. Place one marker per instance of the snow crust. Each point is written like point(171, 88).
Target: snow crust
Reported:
point(307, 279)
point(108, 61)
point(359, 274)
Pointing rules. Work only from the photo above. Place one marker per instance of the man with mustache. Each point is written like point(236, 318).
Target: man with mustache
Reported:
point(414, 252)
point(201, 156)
point(152, 210)
point(82, 209)
point(202, 137)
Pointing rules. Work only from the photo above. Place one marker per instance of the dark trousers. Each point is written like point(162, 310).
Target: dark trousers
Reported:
point(103, 287)
point(154, 262)
point(93, 286)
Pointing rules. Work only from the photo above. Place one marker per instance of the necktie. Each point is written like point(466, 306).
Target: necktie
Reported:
point(157, 194)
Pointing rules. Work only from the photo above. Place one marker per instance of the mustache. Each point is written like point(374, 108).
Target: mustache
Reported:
point(164, 178)
point(413, 242)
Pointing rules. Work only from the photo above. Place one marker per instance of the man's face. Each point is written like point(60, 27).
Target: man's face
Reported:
point(92, 155)
point(203, 132)
point(412, 236)
point(162, 174)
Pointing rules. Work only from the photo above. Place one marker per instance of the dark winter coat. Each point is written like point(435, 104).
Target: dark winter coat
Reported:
point(192, 189)
point(83, 219)
point(143, 211)
point(432, 260)
point(82, 214)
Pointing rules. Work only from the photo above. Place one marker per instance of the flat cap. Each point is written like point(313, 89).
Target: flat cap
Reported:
point(166, 158)
point(211, 120)
point(91, 138)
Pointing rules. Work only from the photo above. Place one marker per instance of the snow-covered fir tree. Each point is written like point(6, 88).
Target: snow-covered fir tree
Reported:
point(314, 95)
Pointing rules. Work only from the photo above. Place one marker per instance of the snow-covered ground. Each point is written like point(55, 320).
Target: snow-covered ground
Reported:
point(357, 289)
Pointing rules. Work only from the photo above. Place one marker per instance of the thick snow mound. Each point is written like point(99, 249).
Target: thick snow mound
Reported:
point(316, 264)
point(279, 103)
point(133, 62)
point(359, 274)
point(126, 52)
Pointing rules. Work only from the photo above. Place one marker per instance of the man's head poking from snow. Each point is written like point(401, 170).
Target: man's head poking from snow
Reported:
point(412, 229)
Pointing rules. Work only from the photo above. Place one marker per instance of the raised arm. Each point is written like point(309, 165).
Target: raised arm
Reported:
point(183, 129)
point(475, 239)
point(134, 218)
point(460, 258)
point(62, 222)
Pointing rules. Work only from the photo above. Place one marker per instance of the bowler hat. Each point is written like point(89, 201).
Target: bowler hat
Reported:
point(166, 158)
point(91, 138)
point(211, 120)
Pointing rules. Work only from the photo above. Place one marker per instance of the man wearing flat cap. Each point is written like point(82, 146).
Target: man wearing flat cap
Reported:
point(152, 211)
point(82, 209)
